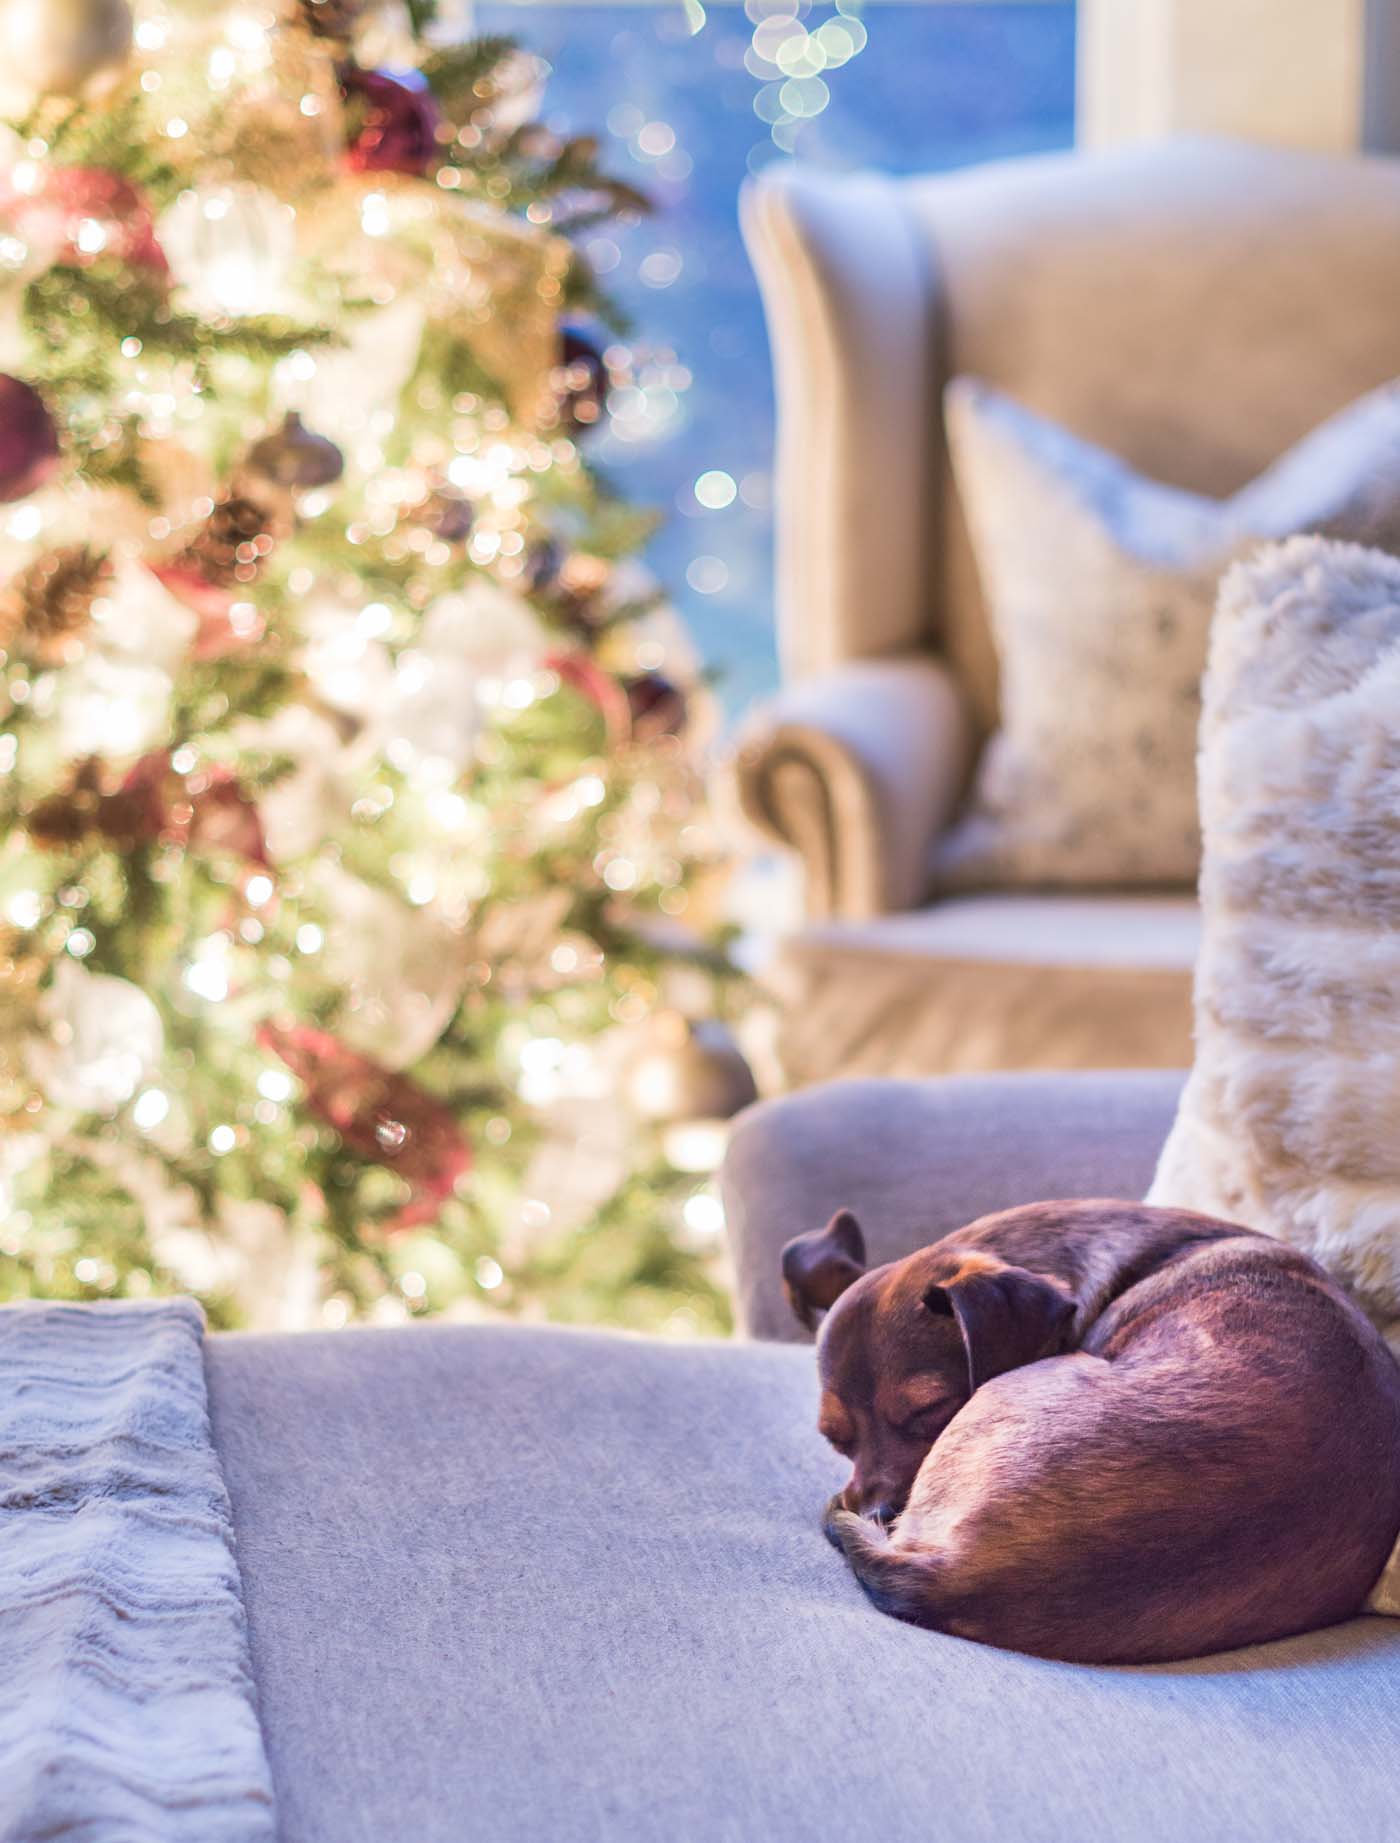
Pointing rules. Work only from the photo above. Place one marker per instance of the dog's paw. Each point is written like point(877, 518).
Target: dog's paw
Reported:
point(833, 1517)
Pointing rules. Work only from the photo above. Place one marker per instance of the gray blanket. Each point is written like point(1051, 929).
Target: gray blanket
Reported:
point(126, 1696)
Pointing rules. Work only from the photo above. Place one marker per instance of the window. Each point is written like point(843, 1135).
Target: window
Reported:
point(689, 114)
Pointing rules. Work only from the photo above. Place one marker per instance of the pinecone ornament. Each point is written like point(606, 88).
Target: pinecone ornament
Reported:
point(65, 819)
point(238, 534)
point(50, 602)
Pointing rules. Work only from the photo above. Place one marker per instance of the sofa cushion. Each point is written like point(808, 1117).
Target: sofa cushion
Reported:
point(523, 1584)
point(915, 1160)
point(990, 982)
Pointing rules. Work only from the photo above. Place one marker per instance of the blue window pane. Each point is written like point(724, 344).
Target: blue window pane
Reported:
point(935, 85)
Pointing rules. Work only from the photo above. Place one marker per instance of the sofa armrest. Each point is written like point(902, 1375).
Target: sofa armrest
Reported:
point(858, 771)
point(916, 1159)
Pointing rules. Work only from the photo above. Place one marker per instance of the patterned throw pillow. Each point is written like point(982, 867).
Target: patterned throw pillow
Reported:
point(1100, 586)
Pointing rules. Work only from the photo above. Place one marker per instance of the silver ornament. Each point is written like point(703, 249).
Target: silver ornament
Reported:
point(296, 457)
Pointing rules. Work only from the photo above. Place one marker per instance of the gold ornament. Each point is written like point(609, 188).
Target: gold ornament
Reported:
point(689, 1072)
point(489, 279)
point(262, 105)
point(61, 47)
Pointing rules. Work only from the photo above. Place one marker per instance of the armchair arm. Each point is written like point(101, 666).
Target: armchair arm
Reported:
point(850, 297)
point(858, 771)
point(917, 1159)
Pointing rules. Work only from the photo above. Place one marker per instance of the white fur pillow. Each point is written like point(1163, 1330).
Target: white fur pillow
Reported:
point(1100, 586)
point(1290, 1121)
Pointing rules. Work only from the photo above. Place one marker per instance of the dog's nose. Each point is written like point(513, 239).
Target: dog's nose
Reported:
point(879, 1506)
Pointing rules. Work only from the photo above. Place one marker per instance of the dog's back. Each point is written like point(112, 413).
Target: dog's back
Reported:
point(1218, 1463)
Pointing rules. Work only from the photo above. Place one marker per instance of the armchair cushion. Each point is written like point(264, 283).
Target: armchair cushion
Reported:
point(858, 770)
point(979, 983)
point(917, 1159)
point(1101, 584)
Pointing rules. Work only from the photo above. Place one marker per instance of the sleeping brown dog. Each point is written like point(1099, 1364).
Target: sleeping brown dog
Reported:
point(1103, 1432)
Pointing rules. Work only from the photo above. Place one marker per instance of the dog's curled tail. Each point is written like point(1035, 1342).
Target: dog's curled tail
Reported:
point(901, 1582)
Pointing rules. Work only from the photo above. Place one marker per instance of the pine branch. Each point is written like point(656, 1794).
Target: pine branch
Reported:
point(453, 73)
point(422, 16)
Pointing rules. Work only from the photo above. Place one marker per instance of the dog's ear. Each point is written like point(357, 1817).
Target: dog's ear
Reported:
point(819, 1266)
point(1007, 1315)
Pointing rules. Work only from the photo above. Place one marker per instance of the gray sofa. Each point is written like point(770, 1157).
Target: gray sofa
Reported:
point(528, 1584)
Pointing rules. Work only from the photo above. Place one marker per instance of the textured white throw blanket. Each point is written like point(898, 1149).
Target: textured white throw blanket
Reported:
point(126, 1693)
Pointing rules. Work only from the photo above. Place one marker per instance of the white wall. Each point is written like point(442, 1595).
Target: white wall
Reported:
point(1306, 73)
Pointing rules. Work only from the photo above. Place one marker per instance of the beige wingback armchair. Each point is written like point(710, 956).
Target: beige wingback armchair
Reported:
point(1194, 306)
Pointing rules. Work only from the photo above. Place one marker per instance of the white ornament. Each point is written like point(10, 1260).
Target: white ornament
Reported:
point(338, 389)
point(115, 700)
point(103, 1038)
point(18, 1152)
point(342, 657)
point(497, 633)
point(587, 1139)
point(301, 810)
point(253, 1254)
point(430, 721)
point(431, 715)
point(111, 706)
point(231, 248)
point(402, 971)
point(137, 618)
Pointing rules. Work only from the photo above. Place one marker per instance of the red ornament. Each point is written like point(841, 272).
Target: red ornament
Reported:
point(139, 811)
point(85, 214)
point(28, 440)
point(207, 810)
point(380, 1115)
point(657, 707)
point(219, 631)
point(223, 818)
point(584, 675)
point(398, 123)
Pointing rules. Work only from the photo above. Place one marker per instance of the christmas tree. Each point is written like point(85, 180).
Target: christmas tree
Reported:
point(353, 866)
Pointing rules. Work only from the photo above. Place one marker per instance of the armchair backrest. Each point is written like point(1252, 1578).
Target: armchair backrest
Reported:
point(1195, 306)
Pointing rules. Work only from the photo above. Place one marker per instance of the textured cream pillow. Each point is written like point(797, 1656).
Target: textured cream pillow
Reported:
point(1290, 1120)
point(1100, 586)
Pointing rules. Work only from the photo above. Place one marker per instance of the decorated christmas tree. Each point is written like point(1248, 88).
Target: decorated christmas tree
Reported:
point(353, 875)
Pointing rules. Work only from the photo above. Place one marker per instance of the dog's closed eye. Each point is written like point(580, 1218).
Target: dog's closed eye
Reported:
point(921, 1410)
